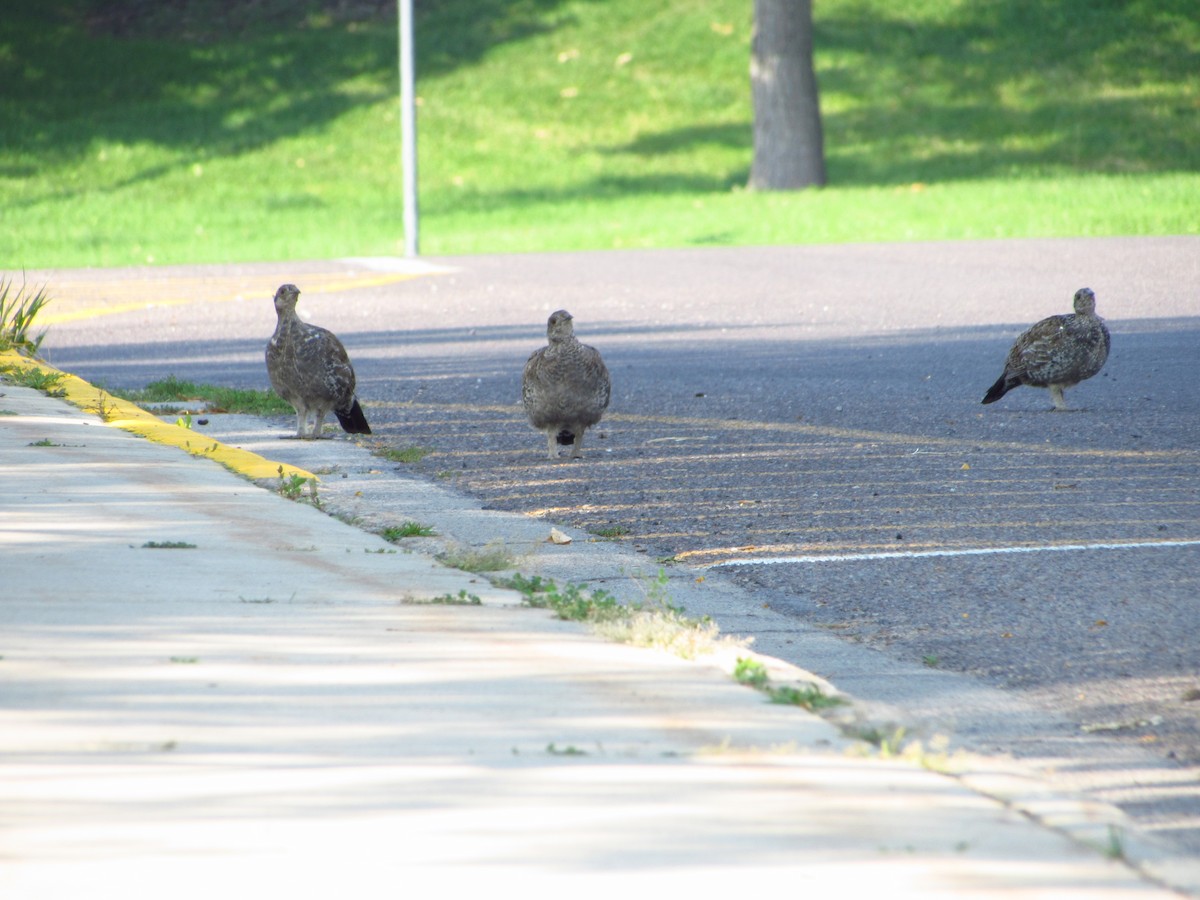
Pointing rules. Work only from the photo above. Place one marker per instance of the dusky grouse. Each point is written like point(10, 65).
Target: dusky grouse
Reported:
point(565, 386)
point(1057, 353)
point(309, 368)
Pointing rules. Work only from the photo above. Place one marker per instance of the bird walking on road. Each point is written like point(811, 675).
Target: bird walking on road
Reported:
point(309, 368)
point(565, 387)
point(1057, 353)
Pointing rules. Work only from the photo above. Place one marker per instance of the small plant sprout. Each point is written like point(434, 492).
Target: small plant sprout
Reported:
point(103, 408)
point(808, 696)
point(570, 603)
point(292, 486)
point(751, 673)
point(889, 741)
point(1114, 847)
point(265, 599)
point(569, 750)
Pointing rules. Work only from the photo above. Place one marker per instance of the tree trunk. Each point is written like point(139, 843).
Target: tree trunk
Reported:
point(789, 151)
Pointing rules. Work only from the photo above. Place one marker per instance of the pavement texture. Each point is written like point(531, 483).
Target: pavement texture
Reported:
point(804, 421)
point(206, 686)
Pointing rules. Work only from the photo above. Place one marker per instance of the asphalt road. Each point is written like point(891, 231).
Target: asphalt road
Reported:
point(803, 419)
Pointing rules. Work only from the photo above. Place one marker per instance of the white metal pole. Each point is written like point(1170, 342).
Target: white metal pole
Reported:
point(408, 130)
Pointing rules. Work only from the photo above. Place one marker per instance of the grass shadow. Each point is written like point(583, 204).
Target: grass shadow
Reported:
point(994, 89)
point(222, 77)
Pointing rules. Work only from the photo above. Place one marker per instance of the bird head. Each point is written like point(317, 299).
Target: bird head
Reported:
point(1085, 302)
point(285, 298)
point(559, 326)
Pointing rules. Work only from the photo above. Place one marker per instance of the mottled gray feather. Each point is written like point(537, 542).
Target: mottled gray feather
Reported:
point(565, 386)
point(310, 369)
point(1057, 353)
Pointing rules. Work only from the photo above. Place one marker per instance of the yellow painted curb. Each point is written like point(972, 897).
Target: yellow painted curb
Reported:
point(129, 417)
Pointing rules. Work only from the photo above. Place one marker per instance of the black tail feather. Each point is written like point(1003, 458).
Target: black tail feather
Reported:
point(998, 390)
point(566, 438)
point(352, 420)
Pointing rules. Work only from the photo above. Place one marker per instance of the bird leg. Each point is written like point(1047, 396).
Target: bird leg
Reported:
point(552, 443)
point(318, 422)
point(1056, 395)
point(301, 420)
point(578, 443)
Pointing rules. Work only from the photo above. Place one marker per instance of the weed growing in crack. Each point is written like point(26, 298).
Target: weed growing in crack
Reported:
point(216, 399)
point(402, 454)
point(17, 311)
point(493, 557)
point(292, 486)
point(656, 622)
point(611, 532)
point(569, 750)
point(752, 673)
point(571, 603)
point(49, 383)
point(406, 530)
point(462, 598)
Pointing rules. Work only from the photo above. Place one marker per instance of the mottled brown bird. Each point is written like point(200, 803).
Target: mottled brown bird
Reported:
point(565, 386)
point(309, 368)
point(1057, 353)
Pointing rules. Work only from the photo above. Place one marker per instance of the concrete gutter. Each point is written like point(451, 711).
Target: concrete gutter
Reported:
point(132, 418)
point(206, 688)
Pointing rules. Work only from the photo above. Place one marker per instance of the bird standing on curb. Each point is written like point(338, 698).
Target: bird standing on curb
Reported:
point(1057, 353)
point(565, 387)
point(309, 368)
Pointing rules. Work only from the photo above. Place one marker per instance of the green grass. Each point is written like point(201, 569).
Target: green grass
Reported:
point(219, 399)
point(572, 603)
point(406, 530)
point(610, 531)
point(462, 598)
point(49, 383)
point(211, 131)
point(753, 673)
point(492, 557)
point(402, 454)
point(18, 309)
point(655, 622)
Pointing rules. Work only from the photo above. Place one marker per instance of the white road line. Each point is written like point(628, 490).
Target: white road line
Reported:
point(924, 554)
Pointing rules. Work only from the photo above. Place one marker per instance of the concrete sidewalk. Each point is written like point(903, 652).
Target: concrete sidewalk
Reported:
point(208, 689)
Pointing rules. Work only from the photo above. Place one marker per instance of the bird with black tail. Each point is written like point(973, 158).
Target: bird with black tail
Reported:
point(310, 369)
point(565, 387)
point(1057, 353)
